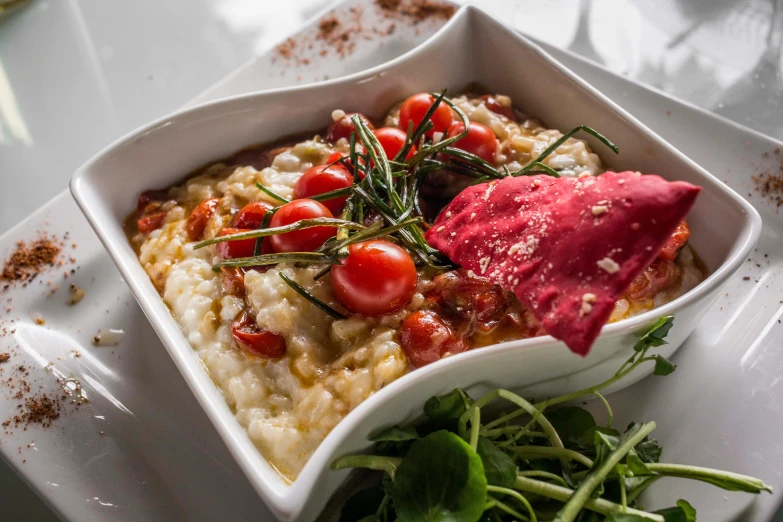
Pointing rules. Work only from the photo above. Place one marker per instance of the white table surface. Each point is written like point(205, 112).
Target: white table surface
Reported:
point(77, 74)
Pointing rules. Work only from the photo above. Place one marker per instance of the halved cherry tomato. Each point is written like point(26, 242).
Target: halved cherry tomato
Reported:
point(151, 222)
point(414, 108)
point(659, 275)
point(233, 280)
point(251, 215)
point(468, 296)
point(306, 240)
point(343, 127)
point(149, 196)
point(480, 140)
point(675, 242)
point(376, 278)
point(237, 248)
point(392, 140)
point(425, 338)
point(198, 218)
point(320, 179)
point(495, 106)
point(255, 340)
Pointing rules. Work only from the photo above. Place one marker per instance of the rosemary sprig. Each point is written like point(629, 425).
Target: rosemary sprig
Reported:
point(553, 147)
point(298, 225)
point(310, 297)
point(273, 259)
point(271, 194)
point(332, 194)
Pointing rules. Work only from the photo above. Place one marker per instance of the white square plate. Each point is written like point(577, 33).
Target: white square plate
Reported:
point(725, 227)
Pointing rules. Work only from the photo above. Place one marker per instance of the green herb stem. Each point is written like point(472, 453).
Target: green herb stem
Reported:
point(562, 494)
point(376, 462)
point(723, 479)
point(271, 194)
point(298, 225)
point(586, 487)
point(546, 452)
point(543, 474)
point(516, 496)
point(273, 259)
point(508, 509)
point(310, 297)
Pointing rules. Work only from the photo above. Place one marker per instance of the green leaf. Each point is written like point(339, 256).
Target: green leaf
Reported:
point(663, 366)
point(682, 512)
point(587, 440)
point(656, 334)
point(498, 466)
point(571, 423)
point(440, 480)
point(649, 451)
point(396, 434)
point(635, 464)
point(362, 504)
point(447, 407)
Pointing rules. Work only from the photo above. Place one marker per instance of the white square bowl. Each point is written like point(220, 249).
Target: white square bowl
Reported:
point(471, 48)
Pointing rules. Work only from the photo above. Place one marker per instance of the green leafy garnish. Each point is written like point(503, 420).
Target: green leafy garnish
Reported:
point(534, 463)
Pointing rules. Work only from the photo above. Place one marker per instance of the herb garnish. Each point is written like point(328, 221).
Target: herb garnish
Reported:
point(559, 465)
point(388, 188)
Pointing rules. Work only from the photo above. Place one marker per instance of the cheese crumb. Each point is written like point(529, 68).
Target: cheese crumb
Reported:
point(440, 229)
point(609, 265)
point(471, 274)
point(484, 264)
point(338, 114)
point(600, 209)
point(536, 182)
point(453, 234)
point(587, 304)
point(472, 216)
point(448, 214)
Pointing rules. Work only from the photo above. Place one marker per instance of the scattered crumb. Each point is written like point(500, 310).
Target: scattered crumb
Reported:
point(77, 294)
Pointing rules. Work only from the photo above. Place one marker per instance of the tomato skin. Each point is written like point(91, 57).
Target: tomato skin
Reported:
point(238, 248)
point(425, 338)
point(376, 278)
point(676, 241)
point(233, 280)
point(414, 108)
point(306, 240)
point(251, 215)
point(198, 218)
point(659, 275)
point(480, 140)
point(255, 340)
point(343, 127)
point(495, 106)
point(151, 222)
point(320, 179)
point(392, 140)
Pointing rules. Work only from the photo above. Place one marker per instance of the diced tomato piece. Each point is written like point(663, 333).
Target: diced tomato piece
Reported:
point(425, 338)
point(233, 280)
point(151, 222)
point(498, 108)
point(251, 215)
point(673, 245)
point(255, 340)
point(343, 127)
point(392, 140)
point(197, 221)
point(237, 248)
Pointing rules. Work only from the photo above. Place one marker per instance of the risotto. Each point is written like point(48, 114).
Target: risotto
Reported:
point(297, 328)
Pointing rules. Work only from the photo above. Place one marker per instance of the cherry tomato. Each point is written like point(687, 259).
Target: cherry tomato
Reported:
point(198, 218)
point(392, 140)
point(320, 179)
point(425, 338)
point(233, 279)
point(151, 222)
point(414, 108)
point(306, 240)
point(376, 278)
point(480, 140)
point(238, 248)
point(659, 275)
point(251, 215)
point(675, 242)
point(468, 296)
point(343, 127)
point(255, 340)
point(150, 196)
point(495, 106)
